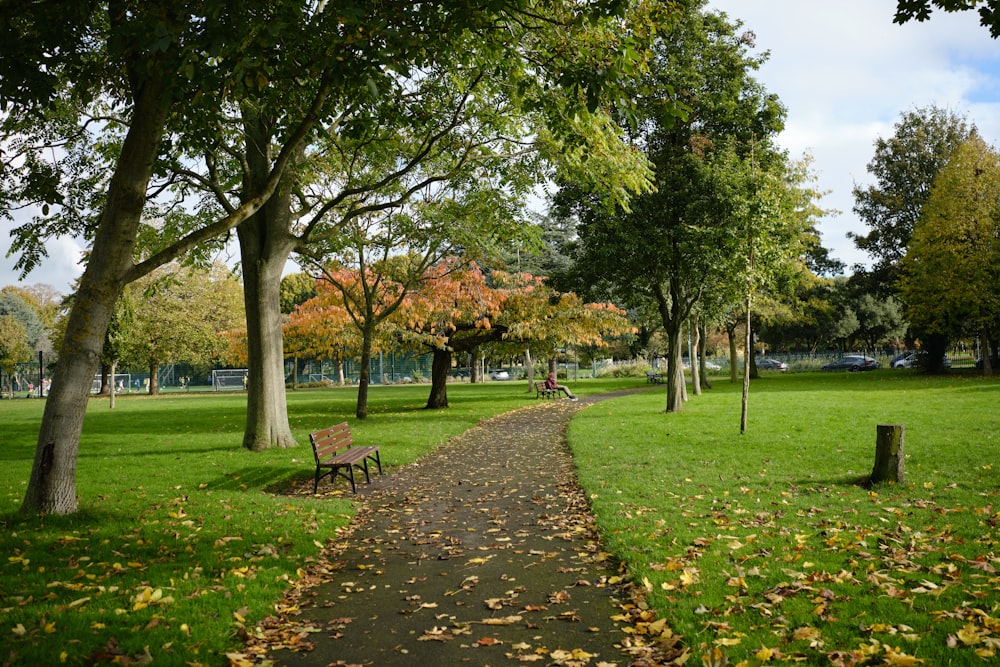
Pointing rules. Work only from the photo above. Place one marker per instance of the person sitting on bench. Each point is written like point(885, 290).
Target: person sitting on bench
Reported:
point(551, 383)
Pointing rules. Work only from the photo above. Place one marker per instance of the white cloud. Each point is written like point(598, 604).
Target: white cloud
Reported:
point(61, 268)
point(846, 72)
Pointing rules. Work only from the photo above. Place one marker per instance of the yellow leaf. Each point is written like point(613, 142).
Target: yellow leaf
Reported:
point(764, 654)
point(728, 641)
point(239, 660)
point(969, 635)
point(897, 659)
point(50, 628)
point(19, 630)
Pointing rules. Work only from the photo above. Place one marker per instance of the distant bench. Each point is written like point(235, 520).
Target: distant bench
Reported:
point(653, 377)
point(335, 455)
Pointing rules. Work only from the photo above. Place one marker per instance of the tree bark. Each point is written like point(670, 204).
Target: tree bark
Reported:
point(733, 352)
point(265, 246)
point(702, 346)
point(114, 387)
point(440, 366)
point(364, 376)
point(154, 379)
point(888, 455)
point(696, 361)
point(987, 354)
point(675, 370)
point(52, 485)
point(672, 315)
point(529, 366)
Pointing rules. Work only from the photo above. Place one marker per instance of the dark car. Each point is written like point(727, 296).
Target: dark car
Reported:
point(853, 363)
point(771, 365)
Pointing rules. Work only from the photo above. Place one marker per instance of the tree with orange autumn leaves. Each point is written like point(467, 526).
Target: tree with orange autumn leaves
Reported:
point(458, 308)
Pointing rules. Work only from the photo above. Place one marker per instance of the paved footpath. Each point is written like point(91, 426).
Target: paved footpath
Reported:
point(482, 553)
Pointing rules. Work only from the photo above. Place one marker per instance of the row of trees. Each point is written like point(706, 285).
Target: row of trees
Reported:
point(155, 128)
point(455, 308)
point(933, 215)
point(27, 315)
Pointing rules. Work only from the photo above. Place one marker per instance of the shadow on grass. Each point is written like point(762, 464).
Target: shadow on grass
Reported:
point(270, 479)
point(862, 481)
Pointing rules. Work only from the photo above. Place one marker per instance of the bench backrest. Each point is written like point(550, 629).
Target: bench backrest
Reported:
point(325, 443)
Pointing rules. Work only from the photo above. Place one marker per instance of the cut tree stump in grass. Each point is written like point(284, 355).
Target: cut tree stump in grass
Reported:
point(889, 455)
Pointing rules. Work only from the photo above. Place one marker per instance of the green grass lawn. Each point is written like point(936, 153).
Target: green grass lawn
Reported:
point(764, 545)
point(768, 547)
point(184, 540)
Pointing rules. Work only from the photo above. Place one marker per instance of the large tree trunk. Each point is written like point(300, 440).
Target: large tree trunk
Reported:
point(114, 387)
point(154, 378)
point(697, 367)
point(364, 376)
point(936, 346)
point(733, 351)
point(107, 386)
point(672, 317)
point(987, 353)
point(439, 379)
point(675, 370)
point(702, 347)
point(52, 485)
point(475, 370)
point(265, 245)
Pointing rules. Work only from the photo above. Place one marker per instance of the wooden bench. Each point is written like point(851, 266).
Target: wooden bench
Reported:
point(335, 455)
point(541, 391)
point(653, 377)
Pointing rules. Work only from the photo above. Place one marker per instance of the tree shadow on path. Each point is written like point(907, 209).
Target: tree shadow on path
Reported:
point(481, 553)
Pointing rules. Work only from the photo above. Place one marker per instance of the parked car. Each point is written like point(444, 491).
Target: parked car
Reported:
point(853, 363)
point(499, 375)
point(709, 366)
point(912, 360)
point(899, 357)
point(771, 365)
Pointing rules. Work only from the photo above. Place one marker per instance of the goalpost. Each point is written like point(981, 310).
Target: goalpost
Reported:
point(228, 379)
point(122, 382)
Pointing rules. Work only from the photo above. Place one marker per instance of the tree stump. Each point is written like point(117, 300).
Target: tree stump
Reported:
point(889, 455)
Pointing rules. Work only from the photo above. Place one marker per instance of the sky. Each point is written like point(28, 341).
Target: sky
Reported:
point(845, 73)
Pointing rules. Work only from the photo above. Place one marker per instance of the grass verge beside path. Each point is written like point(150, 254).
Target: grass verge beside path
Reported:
point(182, 541)
point(767, 548)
